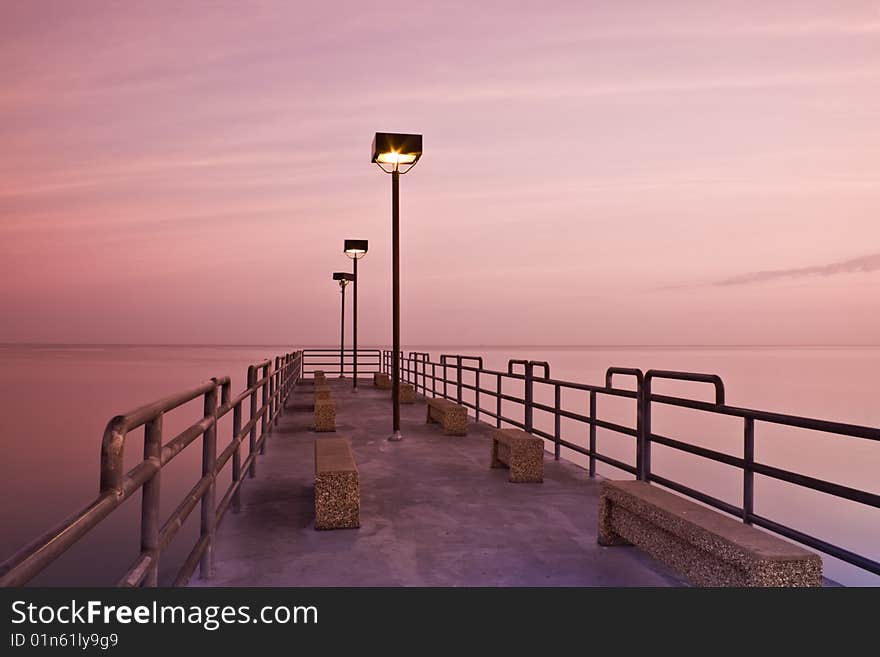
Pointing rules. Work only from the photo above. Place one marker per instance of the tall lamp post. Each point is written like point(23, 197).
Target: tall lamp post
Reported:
point(391, 151)
point(344, 279)
point(355, 249)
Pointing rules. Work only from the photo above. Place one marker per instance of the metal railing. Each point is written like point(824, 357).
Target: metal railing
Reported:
point(332, 362)
point(273, 385)
point(433, 378)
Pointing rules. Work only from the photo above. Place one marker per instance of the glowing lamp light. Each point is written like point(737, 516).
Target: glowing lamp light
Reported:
point(396, 158)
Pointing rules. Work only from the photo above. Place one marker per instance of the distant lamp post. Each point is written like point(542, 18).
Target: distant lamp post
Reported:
point(391, 152)
point(344, 279)
point(355, 249)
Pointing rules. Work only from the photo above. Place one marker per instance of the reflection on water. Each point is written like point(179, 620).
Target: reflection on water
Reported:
point(55, 402)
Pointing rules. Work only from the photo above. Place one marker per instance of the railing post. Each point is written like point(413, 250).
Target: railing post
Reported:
point(458, 365)
point(592, 433)
point(528, 397)
point(291, 374)
point(285, 361)
point(281, 370)
point(236, 456)
point(748, 472)
point(477, 395)
point(557, 421)
point(209, 465)
point(150, 523)
point(276, 394)
point(271, 412)
point(498, 404)
point(445, 380)
point(252, 383)
point(273, 395)
point(433, 380)
point(264, 434)
point(643, 431)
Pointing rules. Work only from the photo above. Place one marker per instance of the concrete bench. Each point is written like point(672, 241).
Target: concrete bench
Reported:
point(407, 393)
point(382, 381)
point(452, 416)
point(322, 391)
point(521, 452)
point(706, 547)
point(319, 377)
point(337, 487)
point(325, 415)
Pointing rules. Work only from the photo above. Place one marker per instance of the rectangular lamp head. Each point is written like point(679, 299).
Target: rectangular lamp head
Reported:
point(343, 276)
point(395, 148)
point(355, 247)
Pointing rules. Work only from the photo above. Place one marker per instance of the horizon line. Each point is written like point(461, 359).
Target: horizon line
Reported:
point(416, 344)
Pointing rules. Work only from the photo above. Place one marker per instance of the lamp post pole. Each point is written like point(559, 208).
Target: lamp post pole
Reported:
point(355, 249)
point(344, 279)
point(393, 150)
point(342, 333)
point(395, 303)
point(355, 327)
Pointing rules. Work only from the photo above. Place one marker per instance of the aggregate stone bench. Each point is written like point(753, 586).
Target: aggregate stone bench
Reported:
point(337, 487)
point(706, 547)
point(407, 393)
point(452, 416)
point(382, 381)
point(319, 377)
point(322, 391)
point(522, 452)
point(325, 415)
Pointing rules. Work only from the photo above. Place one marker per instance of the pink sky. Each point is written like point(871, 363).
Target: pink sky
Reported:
point(594, 172)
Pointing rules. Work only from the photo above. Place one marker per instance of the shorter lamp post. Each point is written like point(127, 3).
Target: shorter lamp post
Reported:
point(355, 249)
point(344, 279)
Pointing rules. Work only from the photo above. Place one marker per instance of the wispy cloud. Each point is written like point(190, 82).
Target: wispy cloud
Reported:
point(866, 263)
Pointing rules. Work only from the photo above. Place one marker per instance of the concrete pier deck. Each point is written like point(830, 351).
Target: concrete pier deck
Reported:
point(432, 512)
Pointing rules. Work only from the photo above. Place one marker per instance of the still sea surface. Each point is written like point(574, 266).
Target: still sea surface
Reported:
point(55, 401)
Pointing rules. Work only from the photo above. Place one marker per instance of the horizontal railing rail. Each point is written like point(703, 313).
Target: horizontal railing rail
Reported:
point(273, 385)
point(451, 376)
point(341, 362)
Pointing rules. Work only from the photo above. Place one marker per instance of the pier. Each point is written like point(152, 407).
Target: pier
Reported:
point(432, 511)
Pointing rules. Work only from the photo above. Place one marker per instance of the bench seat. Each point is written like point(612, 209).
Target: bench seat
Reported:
point(337, 486)
point(407, 393)
point(521, 452)
point(325, 415)
point(382, 381)
point(452, 416)
point(706, 547)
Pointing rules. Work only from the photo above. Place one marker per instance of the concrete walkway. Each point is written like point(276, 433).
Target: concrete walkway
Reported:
point(432, 512)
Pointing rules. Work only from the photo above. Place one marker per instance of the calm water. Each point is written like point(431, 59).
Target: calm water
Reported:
point(55, 402)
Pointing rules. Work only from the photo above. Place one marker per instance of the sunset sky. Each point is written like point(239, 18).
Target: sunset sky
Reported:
point(594, 172)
